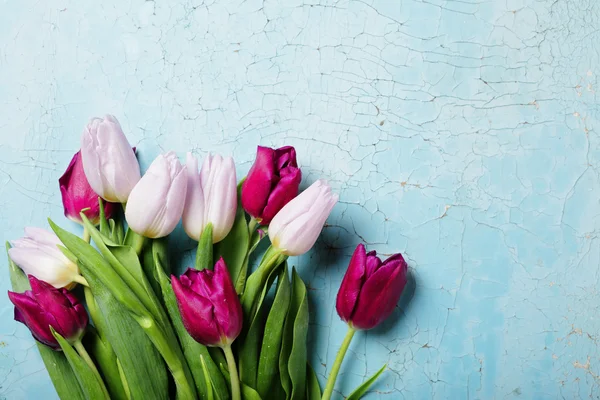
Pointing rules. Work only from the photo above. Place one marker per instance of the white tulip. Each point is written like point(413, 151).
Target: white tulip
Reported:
point(109, 162)
point(38, 254)
point(296, 227)
point(211, 197)
point(156, 203)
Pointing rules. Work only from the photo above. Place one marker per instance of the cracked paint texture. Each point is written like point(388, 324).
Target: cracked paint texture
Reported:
point(459, 132)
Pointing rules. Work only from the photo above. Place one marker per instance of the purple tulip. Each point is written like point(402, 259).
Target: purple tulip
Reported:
point(77, 194)
point(44, 306)
point(271, 183)
point(370, 289)
point(209, 306)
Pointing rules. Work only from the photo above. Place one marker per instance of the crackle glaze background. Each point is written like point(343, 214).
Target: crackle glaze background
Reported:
point(459, 132)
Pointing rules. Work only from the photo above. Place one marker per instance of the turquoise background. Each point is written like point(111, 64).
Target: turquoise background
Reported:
point(461, 133)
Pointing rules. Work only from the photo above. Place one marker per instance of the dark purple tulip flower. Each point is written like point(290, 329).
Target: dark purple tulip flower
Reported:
point(209, 305)
point(370, 289)
point(44, 306)
point(271, 183)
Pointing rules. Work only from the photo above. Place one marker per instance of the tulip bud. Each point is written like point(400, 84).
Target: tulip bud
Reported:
point(295, 228)
point(77, 194)
point(108, 160)
point(271, 183)
point(38, 254)
point(43, 307)
point(156, 203)
point(211, 197)
point(370, 289)
point(209, 305)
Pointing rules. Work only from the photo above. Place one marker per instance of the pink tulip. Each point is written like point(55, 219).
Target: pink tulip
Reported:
point(370, 289)
point(211, 197)
point(38, 254)
point(271, 183)
point(156, 203)
point(43, 307)
point(108, 160)
point(77, 194)
point(296, 227)
point(209, 305)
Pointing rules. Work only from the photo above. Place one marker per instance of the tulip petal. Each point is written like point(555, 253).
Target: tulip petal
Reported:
point(193, 212)
point(351, 284)
point(373, 263)
point(284, 191)
point(258, 184)
point(228, 309)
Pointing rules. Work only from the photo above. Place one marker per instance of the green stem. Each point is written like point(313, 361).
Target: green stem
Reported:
point(338, 363)
point(137, 243)
point(204, 254)
point(256, 281)
point(233, 373)
point(86, 234)
point(88, 360)
point(252, 225)
point(173, 358)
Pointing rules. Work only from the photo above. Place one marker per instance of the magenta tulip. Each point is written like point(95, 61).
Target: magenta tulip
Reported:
point(370, 289)
point(77, 194)
point(209, 306)
point(271, 183)
point(44, 306)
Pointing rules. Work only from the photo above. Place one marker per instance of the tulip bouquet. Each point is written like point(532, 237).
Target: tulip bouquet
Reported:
point(223, 329)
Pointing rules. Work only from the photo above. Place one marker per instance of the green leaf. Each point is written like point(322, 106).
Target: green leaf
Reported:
point(271, 346)
point(160, 252)
point(104, 227)
point(234, 249)
point(143, 367)
point(204, 252)
point(112, 231)
point(292, 361)
point(249, 351)
point(362, 389)
point(257, 281)
point(313, 390)
point(106, 360)
point(208, 383)
point(91, 384)
point(192, 350)
point(125, 262)
point(56, 363)
point(147, 258)
point(247, 392)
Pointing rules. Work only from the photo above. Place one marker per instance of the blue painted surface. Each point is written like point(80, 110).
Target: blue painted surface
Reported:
point(461, 133)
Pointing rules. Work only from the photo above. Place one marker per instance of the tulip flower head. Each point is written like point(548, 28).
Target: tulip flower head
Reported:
point(271, 183)
point(38, 254)
point(78, 195)
point(209, 305)
point(156, 203)
point(108, 160)
point(296, 227)
point(211, 197)
point(43, 307)
point(370, 289)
